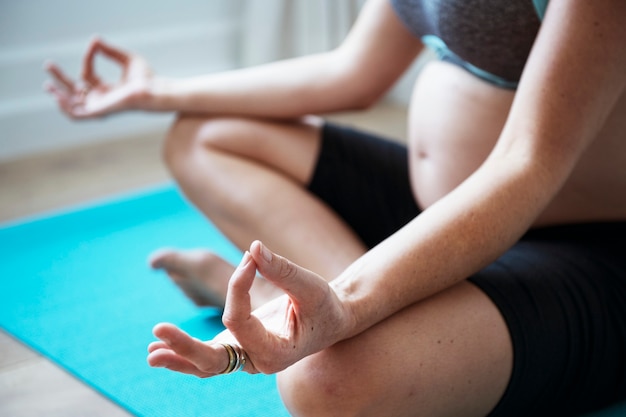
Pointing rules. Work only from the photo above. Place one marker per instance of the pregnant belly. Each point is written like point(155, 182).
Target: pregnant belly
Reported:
point(455, 120)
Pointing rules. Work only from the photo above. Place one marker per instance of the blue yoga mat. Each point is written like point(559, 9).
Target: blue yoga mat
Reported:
point(75, 286)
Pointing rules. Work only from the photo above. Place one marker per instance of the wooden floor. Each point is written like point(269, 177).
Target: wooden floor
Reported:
point(30, 385)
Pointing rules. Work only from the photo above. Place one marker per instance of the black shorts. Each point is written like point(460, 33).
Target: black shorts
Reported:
point(561, 289)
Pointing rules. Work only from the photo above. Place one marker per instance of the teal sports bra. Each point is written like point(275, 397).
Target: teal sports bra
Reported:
point(489, 38)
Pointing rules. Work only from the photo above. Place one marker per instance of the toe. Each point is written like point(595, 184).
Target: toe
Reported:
point(165, 258)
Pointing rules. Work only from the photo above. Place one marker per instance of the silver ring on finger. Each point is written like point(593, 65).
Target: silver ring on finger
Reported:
point(236, 358)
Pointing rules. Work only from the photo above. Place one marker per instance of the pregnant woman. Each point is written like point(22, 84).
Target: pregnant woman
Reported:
point(480, 270)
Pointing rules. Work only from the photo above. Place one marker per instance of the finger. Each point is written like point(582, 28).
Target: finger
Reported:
point(206, 357)
point(237, 316)
point(115, 53)
point(59, 76)
point(299, 283)
point(157, 345)
point(165, 358)
point(88, 72)
point(52, 88)
point(68, 102)
point(238, 306)
point(96, 46)
point(64, 100)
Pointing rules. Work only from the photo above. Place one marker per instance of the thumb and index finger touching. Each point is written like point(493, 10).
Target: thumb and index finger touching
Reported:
point(298, 282)
point(88, 72)
point(96, 46)
point(191, 354)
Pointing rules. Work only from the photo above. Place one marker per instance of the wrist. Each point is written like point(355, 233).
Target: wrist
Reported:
point(363, 302)
point(350, 323)
point(152, 95)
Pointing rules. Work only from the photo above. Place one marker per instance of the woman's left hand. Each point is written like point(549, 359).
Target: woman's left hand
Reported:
point(307, 319)
point(93, 97)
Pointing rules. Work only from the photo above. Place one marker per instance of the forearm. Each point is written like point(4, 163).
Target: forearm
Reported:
point(457, 236)
point(573, 78)
point(354, 76)
point(313, 84)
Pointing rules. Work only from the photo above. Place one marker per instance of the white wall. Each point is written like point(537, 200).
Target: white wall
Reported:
point(177, 37)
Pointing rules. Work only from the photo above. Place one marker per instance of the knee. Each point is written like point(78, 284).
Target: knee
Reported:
point(319, 387)
point(309, 391)
point(179, 140)
point(190, 134)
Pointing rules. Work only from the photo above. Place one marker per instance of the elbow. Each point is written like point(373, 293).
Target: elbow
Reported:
point(359, 96)
point(358, 88)
point(346, 96)
point(368, 99)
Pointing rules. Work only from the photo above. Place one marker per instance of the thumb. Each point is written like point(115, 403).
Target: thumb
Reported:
point(298, 282)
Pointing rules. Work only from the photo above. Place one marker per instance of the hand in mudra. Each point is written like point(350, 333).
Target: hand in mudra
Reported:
point(307, 319)
point(93, 97)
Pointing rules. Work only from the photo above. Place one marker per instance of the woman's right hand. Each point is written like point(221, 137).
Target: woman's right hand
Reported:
point(307, 319)
point(91, 96)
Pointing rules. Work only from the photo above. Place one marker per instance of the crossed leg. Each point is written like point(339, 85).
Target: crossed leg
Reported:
point(448, 355)
point(248, 177)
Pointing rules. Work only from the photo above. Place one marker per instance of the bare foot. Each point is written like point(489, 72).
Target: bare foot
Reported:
point(203, 276)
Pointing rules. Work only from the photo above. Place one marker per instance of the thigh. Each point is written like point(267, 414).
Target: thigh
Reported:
point(449, 355)
point(288, 147)
point(539, 332)
point(562, 291)
point(364, 178)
